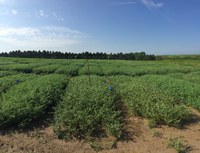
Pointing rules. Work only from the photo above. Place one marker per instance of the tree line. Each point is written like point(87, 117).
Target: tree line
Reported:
point(83, 55)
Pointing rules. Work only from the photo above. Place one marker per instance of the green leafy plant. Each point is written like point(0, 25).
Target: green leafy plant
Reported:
point(71, 69)
point(88, 109)
point(177, 144)
point(47, 69)
point(143, 99)
point(7, 82)
point(31, 99)
point(156, 133)
point(183, 92)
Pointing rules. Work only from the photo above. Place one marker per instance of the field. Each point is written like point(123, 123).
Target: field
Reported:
point(54, 105)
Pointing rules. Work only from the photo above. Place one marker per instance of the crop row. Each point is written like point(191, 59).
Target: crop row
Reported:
point(192, 77)
point(143, 99)
point(25, 68)
point(99, 67)
point(30, 100)
point(110, 68)
point(70, 69)
point(6, 73)
point(92, 105)
point(7, 82)
point(88, 109)
point(181, 90)
point(89, 105)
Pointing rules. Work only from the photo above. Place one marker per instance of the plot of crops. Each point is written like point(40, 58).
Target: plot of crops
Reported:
point(93, 100)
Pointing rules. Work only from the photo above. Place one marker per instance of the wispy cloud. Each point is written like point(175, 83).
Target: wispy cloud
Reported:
point(124, 3)
point(2, 1)
point(7, 2)
point(14, 12)
point(150, 4)
point(13, 32)
point(51, 37)
point(41, 13)
point(39, 43)
point(55, 15)
point(4, 11)
point(46, 14)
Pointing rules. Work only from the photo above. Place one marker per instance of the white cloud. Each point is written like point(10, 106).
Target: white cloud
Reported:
point(54, 14)
point(46, 14)
point(151, 4)
point(7, 2)
point(51, 37)
point(124, 3)
point(41, 13)
point(39, 43)
point(5, 11)
point(61, 30)
point(14, 12)
point(11, 32)
point(2, 1)
point(57, 16)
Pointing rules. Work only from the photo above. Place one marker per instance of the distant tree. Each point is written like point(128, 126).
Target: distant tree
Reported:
point(83, 55)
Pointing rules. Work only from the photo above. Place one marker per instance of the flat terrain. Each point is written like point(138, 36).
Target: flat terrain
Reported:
point(141, 140)
point(78, 106)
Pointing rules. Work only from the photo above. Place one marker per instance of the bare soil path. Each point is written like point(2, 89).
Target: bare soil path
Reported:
point(142, 139)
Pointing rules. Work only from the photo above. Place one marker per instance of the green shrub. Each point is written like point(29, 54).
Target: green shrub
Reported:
point(192, 77)
point(181, 90)
point(177, 144)
point(88, 109)
point(70, 70)
point(30, 100)
point(6, 73)
point(47, 69)
point(7, 82)
point(94, 69)
point(24, 68)
point(147, 101)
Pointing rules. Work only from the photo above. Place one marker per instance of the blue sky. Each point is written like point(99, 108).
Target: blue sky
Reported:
point(153, 26)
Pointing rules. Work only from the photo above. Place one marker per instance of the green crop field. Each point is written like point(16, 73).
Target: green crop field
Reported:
point(90, 99)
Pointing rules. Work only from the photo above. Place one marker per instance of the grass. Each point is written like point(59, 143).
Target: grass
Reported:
point(88, 109)
point(182, 91)
point(177, 144)
point(143, 99)
point(156, 133)
point(84, 108)
point(7, 82)
point(30, 100)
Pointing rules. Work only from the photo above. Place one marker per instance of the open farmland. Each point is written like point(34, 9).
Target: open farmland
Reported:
point(57, 105)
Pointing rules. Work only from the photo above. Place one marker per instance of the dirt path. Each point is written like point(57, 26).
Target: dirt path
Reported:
point(142, 139)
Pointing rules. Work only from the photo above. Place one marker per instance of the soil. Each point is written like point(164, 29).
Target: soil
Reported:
point(139, 138)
